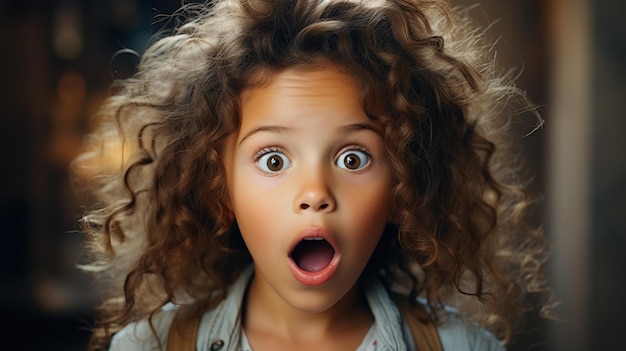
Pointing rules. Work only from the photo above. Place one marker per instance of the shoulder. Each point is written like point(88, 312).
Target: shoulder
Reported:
point(458, 333)
point(140, 335)
point(219, 323)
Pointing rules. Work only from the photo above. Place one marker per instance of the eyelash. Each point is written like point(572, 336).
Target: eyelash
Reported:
point(266, 150)
point(356, 147)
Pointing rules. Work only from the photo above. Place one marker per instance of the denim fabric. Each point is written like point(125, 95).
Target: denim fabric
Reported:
point(220, 329)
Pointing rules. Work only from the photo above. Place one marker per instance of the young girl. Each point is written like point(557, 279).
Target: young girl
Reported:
point(289, 172)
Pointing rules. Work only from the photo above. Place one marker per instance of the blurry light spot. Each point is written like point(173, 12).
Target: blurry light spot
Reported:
point(67, 40)
point(125, 14)
point(71, 87)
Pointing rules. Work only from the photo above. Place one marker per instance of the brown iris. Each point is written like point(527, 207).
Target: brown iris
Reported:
point(352, 161)
point(274, 163)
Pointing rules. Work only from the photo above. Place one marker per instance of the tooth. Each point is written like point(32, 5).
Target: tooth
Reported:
point(313, 239)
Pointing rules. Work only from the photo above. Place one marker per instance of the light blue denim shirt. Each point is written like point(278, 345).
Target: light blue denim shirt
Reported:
point(220, 329)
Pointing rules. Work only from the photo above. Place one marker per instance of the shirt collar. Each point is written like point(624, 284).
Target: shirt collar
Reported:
point(225, 326)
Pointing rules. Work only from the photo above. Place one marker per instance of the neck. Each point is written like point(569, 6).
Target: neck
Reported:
point(266, 312)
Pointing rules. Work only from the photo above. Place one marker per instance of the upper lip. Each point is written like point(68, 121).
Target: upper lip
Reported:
point(314, 232)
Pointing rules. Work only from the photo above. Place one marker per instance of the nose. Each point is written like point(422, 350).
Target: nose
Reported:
point(315, 194)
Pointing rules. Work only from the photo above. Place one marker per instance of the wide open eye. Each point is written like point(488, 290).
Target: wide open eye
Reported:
point(353, 160)
point(273, 162)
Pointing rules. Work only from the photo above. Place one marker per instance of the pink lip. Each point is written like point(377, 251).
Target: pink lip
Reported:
point(323, 276)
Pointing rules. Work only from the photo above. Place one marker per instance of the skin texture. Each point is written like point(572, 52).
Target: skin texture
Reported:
point(328, 175)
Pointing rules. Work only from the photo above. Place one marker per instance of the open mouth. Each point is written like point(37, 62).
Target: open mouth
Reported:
point(313, 254)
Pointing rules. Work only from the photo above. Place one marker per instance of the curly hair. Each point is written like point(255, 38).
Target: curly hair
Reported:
point(459, 210)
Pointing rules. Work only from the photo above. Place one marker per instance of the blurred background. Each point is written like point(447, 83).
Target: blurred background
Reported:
point(59, 58)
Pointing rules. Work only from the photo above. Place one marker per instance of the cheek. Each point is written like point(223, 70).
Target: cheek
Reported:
point(248, 205)
point(251, 219)
point(254, 194)
point(373, 198)
point(370, 210)
point(256, 207)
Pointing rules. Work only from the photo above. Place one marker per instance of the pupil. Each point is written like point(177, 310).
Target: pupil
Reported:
point(274, 163)
point(352, 162)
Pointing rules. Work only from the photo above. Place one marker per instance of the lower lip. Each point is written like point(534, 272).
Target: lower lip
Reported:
point(314, 278)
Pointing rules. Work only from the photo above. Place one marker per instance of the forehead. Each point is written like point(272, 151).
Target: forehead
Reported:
point(303, 99)
point(367, 89)
point(264, 76)
point(317, 81)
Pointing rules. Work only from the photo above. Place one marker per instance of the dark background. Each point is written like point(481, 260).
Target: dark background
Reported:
point(58, 59)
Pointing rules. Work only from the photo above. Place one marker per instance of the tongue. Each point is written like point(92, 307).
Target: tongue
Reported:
point(313, 255)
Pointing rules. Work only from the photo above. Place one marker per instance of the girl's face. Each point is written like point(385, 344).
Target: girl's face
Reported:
point(309, 184)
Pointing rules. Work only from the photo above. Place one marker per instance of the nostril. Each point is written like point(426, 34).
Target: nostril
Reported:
point(306, 206)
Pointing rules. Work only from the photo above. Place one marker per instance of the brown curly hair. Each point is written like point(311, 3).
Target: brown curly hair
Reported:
point(458, 211)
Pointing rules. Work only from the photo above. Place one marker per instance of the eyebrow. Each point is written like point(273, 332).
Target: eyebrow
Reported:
point(348, 128)
point(274, 129)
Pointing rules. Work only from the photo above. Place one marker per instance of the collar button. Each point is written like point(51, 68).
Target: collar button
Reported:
point(217, 345)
